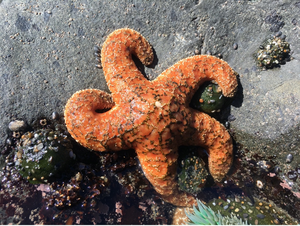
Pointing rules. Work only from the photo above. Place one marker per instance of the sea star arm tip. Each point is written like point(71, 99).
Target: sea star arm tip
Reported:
point(116, 58)
point(216, 140)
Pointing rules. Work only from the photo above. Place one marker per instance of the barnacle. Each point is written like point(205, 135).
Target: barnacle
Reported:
point(273, 52)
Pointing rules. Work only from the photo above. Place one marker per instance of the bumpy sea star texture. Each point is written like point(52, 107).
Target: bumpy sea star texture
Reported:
point(152, 117)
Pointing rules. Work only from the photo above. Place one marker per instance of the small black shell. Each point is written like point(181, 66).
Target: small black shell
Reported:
point(235, 46)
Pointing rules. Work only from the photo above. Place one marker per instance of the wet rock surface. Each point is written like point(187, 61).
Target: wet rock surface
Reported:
point(47, 52)
point(47, 55)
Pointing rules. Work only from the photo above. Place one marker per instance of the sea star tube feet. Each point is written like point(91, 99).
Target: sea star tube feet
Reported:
point(152, 117)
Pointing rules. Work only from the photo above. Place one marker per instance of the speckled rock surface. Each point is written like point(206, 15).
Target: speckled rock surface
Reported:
point(47, 55)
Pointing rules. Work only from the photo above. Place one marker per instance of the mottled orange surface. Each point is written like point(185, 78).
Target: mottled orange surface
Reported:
point(152, 117)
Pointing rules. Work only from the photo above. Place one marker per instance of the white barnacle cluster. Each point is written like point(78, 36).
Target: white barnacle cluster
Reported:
point(273, 52)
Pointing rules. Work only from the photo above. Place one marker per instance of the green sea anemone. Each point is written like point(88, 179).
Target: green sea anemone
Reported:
point(193, 175)
point(43, 154)
point(206, 216)
point(208, 98)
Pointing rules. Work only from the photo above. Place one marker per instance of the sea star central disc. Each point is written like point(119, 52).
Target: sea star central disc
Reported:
point(152, 117)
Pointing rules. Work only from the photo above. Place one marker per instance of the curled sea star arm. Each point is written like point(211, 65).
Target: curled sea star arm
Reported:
point(191, 72)
point(88, 116)
point(119, 69)
point(105, 131)
point(212, 135)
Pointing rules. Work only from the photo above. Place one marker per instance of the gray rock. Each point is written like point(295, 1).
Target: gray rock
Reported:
point(47, 55)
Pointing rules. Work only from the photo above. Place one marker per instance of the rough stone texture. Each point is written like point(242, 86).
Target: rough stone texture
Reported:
point(47, 55)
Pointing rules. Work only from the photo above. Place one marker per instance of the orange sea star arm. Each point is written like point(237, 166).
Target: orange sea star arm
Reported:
point(188, 74)
point(212, 135)
point(91, 128)
point(119, 69)
point(160, 169)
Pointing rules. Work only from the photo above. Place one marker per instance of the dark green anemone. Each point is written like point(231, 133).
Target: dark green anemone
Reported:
point(43, 154)
point(208, 98)
point(193, 174)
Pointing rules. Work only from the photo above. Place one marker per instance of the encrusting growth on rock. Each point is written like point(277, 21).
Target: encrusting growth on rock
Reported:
point(152, 117)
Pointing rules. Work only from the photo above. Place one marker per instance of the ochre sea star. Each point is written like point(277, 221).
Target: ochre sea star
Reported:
point(152, 117)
